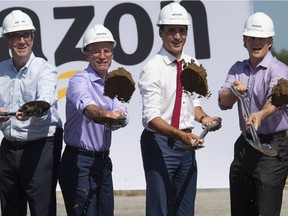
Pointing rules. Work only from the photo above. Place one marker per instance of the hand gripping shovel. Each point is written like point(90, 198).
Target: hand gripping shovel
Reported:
point(32, 108)
point(255, 142)
point(195, 146)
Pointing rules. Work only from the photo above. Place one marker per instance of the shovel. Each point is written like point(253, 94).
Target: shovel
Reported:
point(32, 108)
point(195, 146)
point(255, 142)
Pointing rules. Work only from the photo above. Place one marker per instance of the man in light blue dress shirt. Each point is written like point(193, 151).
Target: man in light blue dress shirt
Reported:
point(31, 148)
point(86, 169)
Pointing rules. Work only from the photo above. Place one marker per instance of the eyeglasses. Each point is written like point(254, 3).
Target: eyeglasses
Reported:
point(97, 53)
point(17, 37)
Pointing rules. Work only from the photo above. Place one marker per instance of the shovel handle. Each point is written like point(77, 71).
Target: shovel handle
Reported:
point(255, 138)
point(7, 113)
point(196, 145)
point(32, 108)
point(206, 130)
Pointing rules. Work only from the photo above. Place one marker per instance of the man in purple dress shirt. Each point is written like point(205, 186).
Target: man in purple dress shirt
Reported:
point(85, 171)
point(257, 180)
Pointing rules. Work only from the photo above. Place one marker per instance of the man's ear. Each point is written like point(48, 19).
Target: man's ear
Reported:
point(270, 42)
point(160, 33)
point(87, 56)
point(244, 42)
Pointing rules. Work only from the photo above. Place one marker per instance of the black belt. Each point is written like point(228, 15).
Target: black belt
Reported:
point(22, 144)
point(94, 154)
point(279, 134)
point(187, 130)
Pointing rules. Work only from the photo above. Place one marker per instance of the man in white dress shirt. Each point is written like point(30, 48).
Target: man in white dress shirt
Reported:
point(170, 175)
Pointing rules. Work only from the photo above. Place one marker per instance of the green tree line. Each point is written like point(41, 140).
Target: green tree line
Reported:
point(282, 55)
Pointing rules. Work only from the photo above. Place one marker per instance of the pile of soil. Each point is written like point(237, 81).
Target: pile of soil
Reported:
point(280, 93)
point(119, 83)
point(194, 79)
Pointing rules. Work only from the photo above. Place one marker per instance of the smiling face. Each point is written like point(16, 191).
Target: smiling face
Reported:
point(20, 43)
point(100, 57)
point(257, 48)
point(174, 38)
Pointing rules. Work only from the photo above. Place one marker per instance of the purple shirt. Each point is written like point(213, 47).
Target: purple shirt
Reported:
point(86, 88)
point(260, 82)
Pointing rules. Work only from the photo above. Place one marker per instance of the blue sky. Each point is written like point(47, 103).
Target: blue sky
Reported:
point(278, 11)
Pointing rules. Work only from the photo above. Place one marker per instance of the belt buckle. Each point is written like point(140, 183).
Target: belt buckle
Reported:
point(105, 154)
point(92, 153)
point(102, 155)
point(95, 154)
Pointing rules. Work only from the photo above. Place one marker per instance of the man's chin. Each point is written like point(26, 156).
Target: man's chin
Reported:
point(177, 49)
point(101, 69)
point(22, 53)
point(258, 54)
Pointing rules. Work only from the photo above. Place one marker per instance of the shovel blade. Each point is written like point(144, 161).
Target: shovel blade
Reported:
point(264, 148)
point(35, 108)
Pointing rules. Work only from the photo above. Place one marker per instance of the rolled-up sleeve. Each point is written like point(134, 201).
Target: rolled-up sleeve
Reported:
point(150, 89)
point(227, 85)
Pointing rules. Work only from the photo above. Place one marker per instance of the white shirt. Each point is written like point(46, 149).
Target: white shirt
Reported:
point(37, 80)
point(157, 84)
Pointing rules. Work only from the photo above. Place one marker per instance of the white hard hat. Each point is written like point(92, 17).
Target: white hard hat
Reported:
point(17, 21)
point(173, 14)
point(259, 25)
point(97, 33)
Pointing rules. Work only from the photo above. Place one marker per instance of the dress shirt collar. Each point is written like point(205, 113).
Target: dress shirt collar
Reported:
point(266, 61)
point(32, 56)
point(94, 77)
point(167, 57)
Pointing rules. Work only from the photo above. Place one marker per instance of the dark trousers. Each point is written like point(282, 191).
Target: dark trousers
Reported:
point(29, 174)
point(86, 184)
point(170, 176)
point(256, 180)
